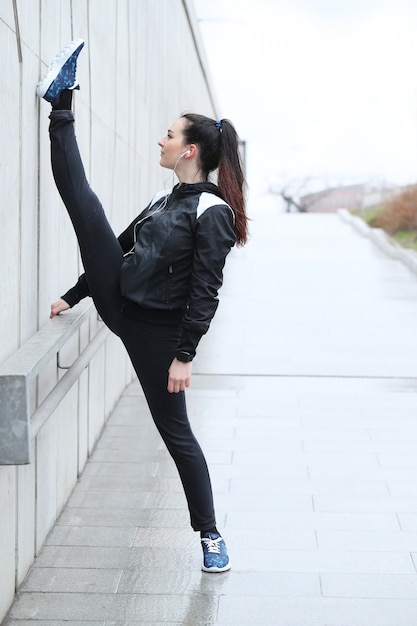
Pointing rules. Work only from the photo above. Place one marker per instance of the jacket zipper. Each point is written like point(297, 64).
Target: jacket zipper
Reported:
point(167, 294)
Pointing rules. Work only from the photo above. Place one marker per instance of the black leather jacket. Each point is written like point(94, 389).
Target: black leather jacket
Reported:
point(175, 254)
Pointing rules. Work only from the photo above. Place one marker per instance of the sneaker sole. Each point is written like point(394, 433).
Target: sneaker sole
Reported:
point(216, 570)
point(56, 66)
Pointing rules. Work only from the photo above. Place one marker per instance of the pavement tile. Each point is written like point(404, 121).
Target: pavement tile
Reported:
point(414, 557)
point(389, 435)
point(210, 431)
point(128, 483)
point(308, 487)
point(165, 500)
point(87, 517)
point(316, 612)
point(408, 522)
point(396, 459)
point(272, 539)
point(387, 474)
point(53, 622)
point(91, 536)
point(129, 607)
point(284, 520)
point(171, 582)
point(404, 487)
point(263, 502)
point(110, 499)
point(369, 586)
point(134, 444)
point(135, 455)
point(261, 427)
point(114, 517)
point(378, 447)
point(118, 557)
point(218, 457)
point(342, 458)
point(329, 458)
point(320, 561)
point(292, 584)
point(382, 417)
point(256, 457)
point(73, 580)
point(336, 434)
point(134, 432)
point(365, 504)
point(146, 623)
point(213, 407)
point(259, 472)
point(165, 537)
point(119, 469)
point(367, 540)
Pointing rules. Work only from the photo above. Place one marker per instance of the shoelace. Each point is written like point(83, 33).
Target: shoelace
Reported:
point(212, 544)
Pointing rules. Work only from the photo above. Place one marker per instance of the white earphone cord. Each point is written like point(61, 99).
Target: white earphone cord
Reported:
point(159, 209)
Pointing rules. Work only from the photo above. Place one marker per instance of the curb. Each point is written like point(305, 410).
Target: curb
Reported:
point(386, 243)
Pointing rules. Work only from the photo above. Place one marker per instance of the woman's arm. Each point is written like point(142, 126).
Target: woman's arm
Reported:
point(81, 289)
point(214, 238)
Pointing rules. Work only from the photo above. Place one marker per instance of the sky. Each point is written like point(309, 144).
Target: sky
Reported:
point(322, 91)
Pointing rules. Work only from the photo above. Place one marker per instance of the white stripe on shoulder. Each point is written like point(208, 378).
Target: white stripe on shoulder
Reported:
point(208, 200)
point(159, 195)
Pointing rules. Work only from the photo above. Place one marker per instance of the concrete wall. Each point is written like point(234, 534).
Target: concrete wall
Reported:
point(141, 67)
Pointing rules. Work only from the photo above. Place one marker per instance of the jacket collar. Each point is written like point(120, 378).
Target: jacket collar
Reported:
point(190, 189)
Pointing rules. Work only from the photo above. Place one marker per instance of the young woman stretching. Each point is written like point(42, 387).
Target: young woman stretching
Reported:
point(156, 285)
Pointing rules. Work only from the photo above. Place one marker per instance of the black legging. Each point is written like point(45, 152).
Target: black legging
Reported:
point(150, 345)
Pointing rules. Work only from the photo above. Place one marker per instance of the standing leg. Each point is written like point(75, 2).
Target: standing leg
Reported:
point(151, 348)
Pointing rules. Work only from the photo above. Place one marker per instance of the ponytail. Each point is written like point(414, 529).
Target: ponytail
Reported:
point(219, 149)
point(230, 178)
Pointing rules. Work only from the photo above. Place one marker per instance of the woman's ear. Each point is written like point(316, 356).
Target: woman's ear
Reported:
point(192, 151)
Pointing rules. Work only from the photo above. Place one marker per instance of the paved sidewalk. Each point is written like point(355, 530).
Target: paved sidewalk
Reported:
point(304, 399)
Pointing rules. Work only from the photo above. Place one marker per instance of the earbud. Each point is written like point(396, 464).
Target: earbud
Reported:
point(186, 153)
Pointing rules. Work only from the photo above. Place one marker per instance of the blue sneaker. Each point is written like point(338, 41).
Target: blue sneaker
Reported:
point(61, 73)
point(215, 557)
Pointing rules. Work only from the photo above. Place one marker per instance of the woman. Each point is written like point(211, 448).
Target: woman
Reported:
point(156, 285)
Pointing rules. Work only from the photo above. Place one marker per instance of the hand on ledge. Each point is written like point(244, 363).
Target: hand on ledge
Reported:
point(57, 307)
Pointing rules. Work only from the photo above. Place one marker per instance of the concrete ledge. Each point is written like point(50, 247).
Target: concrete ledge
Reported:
point(22, 367)
point(386, 243)
point(40, 348)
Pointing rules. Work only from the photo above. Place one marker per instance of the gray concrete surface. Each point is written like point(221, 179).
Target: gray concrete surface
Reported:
point(304, 399)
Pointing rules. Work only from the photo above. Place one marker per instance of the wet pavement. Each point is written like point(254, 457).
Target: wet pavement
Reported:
point(304, 400)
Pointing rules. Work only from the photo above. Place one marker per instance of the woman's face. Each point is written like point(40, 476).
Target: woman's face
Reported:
point(172, 145)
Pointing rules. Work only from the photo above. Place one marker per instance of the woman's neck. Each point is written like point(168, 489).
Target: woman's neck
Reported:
point(190, 176)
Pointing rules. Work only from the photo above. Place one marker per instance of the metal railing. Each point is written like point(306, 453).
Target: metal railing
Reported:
point(17, 426)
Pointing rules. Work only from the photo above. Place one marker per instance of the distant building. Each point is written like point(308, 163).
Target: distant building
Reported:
point(350, 197)
point(330, 200)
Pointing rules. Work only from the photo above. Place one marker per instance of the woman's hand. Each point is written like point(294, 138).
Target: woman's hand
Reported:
point(57, 307)
point(179, 376)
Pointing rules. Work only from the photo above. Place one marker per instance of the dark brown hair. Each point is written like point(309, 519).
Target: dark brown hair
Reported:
point(219, 149)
